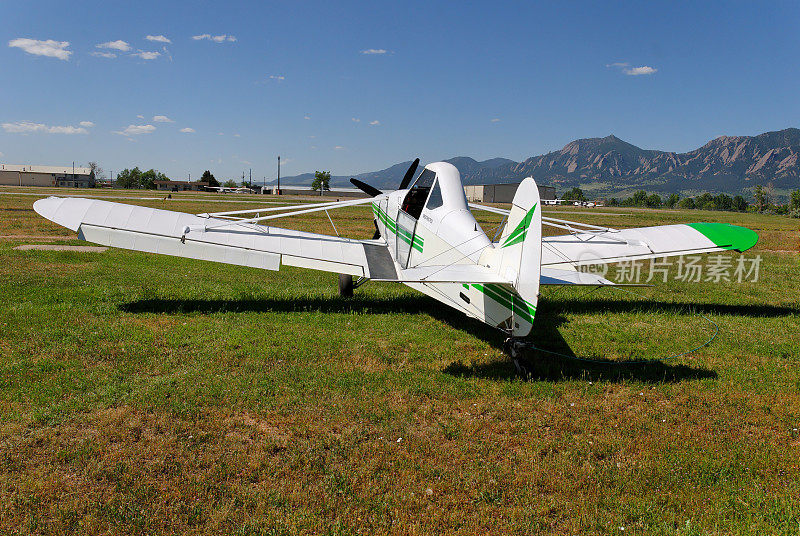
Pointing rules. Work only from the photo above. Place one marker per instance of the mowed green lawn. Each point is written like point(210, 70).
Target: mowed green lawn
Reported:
point(145, 394)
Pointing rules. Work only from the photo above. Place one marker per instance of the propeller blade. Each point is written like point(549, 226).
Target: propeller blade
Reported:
point(366, 188)
point(409, 175)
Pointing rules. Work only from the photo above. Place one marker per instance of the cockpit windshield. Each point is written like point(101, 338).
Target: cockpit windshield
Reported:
point(415, 199)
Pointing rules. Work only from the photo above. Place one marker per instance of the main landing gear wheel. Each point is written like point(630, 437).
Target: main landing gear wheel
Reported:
point(345, 285)
point(515, 348)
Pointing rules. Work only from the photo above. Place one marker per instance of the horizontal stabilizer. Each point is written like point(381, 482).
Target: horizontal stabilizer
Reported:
point(555, 276)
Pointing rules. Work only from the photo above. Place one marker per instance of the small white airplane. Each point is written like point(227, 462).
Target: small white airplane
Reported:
point(426, 237)
point(231, 190)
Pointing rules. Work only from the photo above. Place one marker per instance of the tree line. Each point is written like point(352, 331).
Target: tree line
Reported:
point(146, 180)
point(705, 201)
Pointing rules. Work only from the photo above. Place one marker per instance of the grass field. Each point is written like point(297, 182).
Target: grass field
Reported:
point(145, 394)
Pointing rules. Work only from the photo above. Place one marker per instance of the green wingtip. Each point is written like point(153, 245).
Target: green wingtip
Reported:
point(727, 236)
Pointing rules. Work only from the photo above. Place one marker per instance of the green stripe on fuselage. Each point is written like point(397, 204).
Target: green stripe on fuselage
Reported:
point(510, 300)
point(417, 242)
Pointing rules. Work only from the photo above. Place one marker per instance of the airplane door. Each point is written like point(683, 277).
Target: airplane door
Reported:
point(406, 225)
point(408, 213)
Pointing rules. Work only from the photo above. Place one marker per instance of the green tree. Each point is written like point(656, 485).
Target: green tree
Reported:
point(129, 178)
point(687, 202)
point(673, 200)
point(230, 183)
point(761, 198)
point(704, 201)
point(794, 201)
point(639, 199)
point(576, 194)
point(148, 179)
point(654, 201)
point(209, 178)
point(322, 180)
point(722, 202)
point(739, 204)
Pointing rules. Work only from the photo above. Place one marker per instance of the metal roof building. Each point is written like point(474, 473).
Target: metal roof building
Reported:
point(502, 193)
point(30, 175)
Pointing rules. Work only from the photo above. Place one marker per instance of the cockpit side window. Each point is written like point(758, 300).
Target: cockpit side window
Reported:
point(435, 199)
point(415, 199)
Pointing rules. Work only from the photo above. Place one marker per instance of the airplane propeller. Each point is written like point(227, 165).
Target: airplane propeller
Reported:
point(409, 174)
point(372, 191)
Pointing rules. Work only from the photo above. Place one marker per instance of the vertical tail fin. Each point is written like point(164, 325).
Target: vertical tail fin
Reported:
point(520, 254)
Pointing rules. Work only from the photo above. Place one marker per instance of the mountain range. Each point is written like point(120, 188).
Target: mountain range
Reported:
point(609, 166)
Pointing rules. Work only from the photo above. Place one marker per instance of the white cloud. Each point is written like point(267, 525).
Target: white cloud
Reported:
point(636, 71)
point(135, 130)
point(98, 54)
point(187, 130)
point(355, 119)
point(279, 78)
point(374, 51)
point(119, 44)
point(216, 38)
point(1, 155)
point(495, 120)
point(374, 123)
point(87, 124)
point(162, 119)
point(158, 39)
point(139, 116)
point(237, 135)
point(25, 127)
point(49, 48)
point(146, 55)
point(220, 133)
point(306, 117)
point(339, 148)
point(625, 68)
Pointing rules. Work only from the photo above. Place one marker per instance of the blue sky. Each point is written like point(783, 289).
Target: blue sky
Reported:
point(352, 87)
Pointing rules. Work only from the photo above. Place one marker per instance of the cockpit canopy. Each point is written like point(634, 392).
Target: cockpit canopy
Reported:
point(438, 185)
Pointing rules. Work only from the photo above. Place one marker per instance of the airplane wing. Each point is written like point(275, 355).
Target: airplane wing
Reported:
point(589, 244)
point(601, 247)
point(214, 239)
point(211, 237)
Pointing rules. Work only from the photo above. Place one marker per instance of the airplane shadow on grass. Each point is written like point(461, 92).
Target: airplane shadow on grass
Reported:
point(551, 314)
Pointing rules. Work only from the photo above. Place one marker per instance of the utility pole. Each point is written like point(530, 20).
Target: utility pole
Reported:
point(251, 178)
point(279, 175)
point(73, 174)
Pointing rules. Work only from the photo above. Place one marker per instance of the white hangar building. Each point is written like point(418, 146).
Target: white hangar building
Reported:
point(29, 175)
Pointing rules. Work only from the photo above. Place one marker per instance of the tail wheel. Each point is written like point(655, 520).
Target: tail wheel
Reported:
point(345, 285)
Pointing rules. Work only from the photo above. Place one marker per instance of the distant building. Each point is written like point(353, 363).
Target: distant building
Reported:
point(27, 175)
point(306, 190)
point(502, 193)
point(181, 186)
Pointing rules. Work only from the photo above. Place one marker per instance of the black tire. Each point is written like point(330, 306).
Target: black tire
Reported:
point(345, 285)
